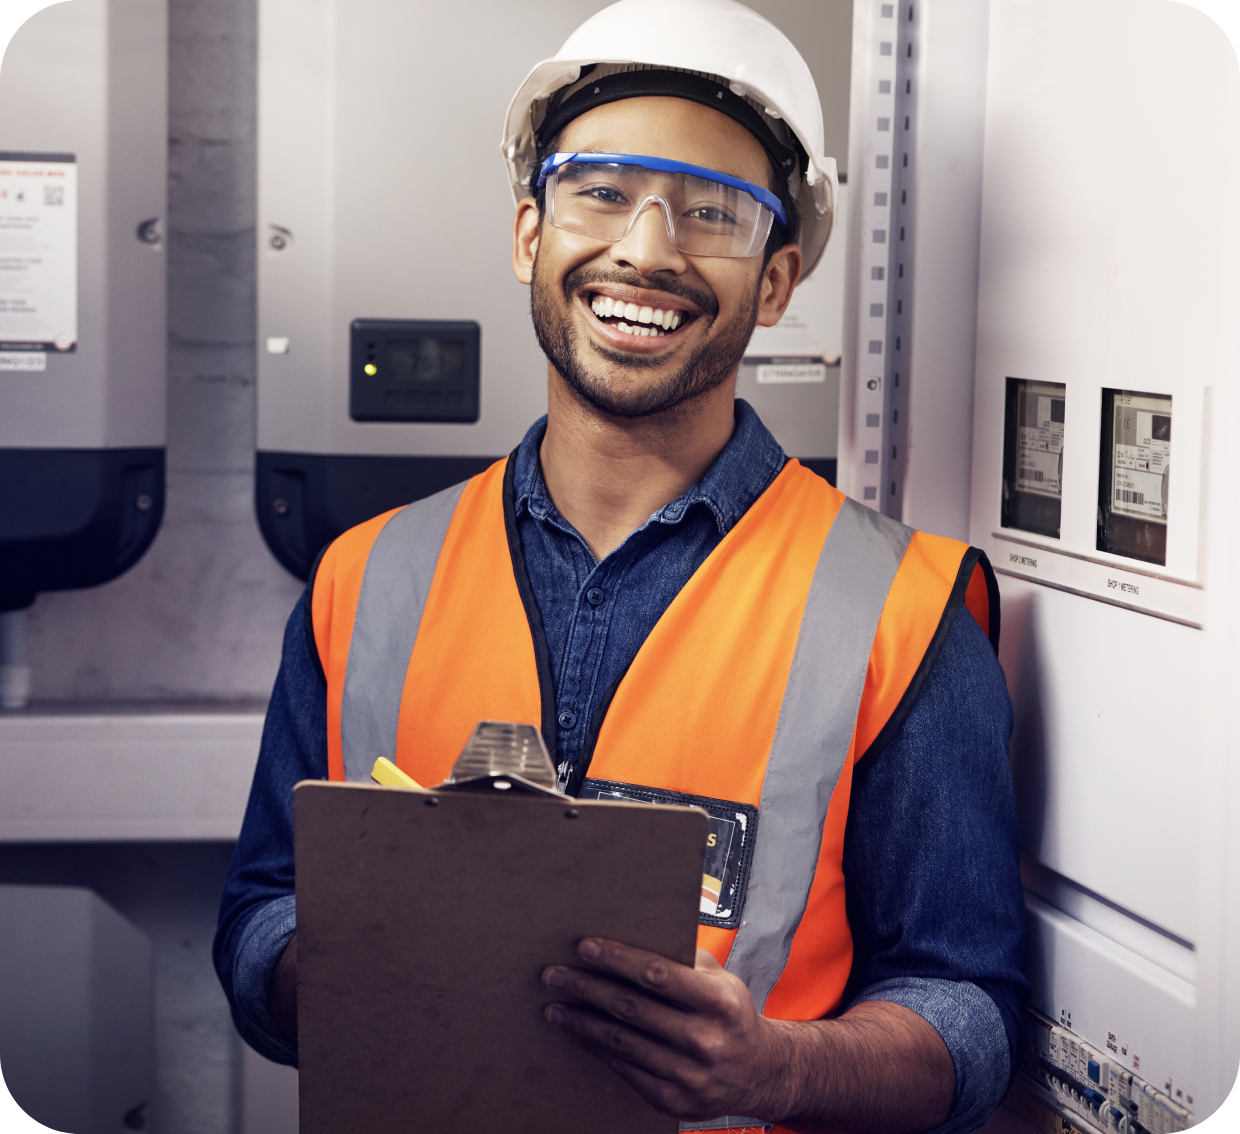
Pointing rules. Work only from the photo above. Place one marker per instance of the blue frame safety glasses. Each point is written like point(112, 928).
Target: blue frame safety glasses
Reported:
point(706, 213)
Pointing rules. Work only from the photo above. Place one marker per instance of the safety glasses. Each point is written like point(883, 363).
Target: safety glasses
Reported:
point(706, 213)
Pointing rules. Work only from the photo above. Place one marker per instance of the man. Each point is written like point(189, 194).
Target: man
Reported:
point(691, 617)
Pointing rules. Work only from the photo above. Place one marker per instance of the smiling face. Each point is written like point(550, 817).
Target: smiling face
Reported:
point(635, 327)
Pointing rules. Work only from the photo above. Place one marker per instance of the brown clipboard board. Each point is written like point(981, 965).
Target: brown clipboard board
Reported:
point(424, 920)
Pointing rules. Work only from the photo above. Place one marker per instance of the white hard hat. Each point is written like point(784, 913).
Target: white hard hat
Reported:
point(716, 39)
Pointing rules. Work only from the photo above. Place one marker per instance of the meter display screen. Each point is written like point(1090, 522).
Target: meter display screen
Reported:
point(1134, 477)
point(1033, 456)
point(424, 360)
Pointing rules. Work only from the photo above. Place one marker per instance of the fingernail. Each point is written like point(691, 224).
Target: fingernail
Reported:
point(554, 978)
point(555, 1013)
point(590, 949)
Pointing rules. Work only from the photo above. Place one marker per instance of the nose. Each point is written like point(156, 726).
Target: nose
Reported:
point(646, 247)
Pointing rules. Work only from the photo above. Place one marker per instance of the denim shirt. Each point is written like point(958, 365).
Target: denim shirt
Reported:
point(931, 848)
point(597, 614)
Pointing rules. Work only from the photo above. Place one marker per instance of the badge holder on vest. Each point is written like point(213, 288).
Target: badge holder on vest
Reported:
point(425, 916)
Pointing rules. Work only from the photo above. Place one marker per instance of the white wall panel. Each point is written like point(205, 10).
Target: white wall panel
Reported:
point(1108, 244)
point(1104, 769)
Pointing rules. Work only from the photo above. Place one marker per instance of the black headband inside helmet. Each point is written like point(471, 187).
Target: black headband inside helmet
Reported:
point(666, 84)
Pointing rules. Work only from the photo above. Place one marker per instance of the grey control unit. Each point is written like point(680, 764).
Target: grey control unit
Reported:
point(83, 160)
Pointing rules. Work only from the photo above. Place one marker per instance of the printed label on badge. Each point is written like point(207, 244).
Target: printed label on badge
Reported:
point(729, 844)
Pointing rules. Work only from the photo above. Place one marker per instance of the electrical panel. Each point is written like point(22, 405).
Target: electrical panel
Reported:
point(1105, 355)
point(382, 201)
point(83, 173)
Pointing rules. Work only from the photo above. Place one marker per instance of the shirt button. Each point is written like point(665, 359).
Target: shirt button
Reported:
point(566, 719)
point(594, 596)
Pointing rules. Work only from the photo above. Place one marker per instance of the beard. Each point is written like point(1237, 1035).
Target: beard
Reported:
point(610, 385)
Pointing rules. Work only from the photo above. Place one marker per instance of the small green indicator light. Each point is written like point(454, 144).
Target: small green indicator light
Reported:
point(371, 368)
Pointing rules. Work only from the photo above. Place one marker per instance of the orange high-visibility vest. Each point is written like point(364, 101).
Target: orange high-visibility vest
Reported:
point(796, 648)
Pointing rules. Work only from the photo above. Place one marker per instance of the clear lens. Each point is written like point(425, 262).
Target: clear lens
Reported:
point(703, 218)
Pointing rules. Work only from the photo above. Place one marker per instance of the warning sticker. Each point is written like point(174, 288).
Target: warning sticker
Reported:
point(729, 844)
point(38, 253)
point(1141, 461)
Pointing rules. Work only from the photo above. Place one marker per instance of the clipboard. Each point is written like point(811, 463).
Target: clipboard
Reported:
point(424, 920)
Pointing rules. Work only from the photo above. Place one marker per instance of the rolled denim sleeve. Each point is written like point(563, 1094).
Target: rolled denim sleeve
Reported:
point(931, 859)
point(257, 909)
point(972, 1028)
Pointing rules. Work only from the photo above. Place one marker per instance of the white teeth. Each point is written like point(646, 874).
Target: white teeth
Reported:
point(639, 332)
point(605, 307)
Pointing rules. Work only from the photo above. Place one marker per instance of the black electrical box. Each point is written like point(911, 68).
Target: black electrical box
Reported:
point(414, 370)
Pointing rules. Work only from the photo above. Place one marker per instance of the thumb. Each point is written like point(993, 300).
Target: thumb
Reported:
point(706, 962)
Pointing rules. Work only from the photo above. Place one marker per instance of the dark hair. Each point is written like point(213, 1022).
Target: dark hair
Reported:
point(783, 234)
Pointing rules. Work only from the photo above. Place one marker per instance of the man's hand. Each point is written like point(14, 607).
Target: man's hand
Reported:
point(691, 1042)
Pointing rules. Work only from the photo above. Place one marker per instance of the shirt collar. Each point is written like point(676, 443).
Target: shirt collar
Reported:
point(744, 469)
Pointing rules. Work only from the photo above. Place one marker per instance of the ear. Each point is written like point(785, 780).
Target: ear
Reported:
point(778, 280)
point(526, 228)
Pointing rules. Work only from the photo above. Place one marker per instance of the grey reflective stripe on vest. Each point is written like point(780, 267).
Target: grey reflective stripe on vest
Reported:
point(395, 583)
point(856, 566)
point(855, 569)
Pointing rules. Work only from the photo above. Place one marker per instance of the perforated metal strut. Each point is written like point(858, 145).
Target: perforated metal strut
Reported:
point(885, 183)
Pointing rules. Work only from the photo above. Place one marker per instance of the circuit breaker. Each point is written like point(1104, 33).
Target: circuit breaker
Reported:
point(83, 171)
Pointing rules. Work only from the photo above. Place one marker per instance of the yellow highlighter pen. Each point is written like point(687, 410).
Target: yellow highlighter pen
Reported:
point(389, 775)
